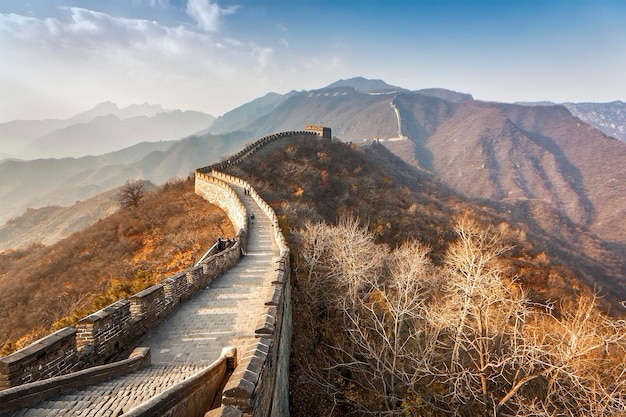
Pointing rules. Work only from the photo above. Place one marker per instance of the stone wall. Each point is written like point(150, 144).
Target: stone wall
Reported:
point(51, 355)
point(253, 148)
point(28, 394)
point(259, 385)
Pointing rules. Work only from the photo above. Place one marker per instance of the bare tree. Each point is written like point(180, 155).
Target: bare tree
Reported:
point(132, 192)
point(459, 339)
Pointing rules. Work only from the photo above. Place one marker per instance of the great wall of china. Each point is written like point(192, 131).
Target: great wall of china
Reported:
point(234, 358)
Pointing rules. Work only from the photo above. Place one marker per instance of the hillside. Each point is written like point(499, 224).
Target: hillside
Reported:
point(47, 225)
point(48, 287)
point(514, 153)
point(320, 180)
point(610, 118)
point(315, 183)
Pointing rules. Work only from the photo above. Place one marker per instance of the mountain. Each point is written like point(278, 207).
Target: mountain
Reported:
point(110, 133)
point(353, 113)
point(105, 128)
point(50, 224)
point(608, 117)
point(16, 135)
point(501, 152)
point(551, 171)
point(244, 115)
point(108, 108)
point(365, 85)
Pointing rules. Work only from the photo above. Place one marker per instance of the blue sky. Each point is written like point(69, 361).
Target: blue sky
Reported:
point(61, 57)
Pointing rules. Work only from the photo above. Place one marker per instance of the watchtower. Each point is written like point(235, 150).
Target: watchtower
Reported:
point(320, 130)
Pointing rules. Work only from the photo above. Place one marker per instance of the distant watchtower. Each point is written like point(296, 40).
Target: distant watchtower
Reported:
point(320, 130)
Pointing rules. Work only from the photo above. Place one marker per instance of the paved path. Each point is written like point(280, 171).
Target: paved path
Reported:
point(224, 314)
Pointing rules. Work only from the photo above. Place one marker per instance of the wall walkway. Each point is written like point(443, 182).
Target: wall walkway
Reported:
point(226, 313)
point(238, 322)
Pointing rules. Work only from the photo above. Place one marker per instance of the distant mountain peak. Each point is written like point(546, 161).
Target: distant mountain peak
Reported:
point(365, 85)
point(109, 108)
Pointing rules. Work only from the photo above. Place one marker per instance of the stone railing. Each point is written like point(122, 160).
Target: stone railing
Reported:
point(103, 335)
point(28, 394)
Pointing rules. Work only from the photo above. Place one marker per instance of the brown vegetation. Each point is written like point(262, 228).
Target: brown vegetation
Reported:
point(47, 287)
point(410, 215)
point(392, 334)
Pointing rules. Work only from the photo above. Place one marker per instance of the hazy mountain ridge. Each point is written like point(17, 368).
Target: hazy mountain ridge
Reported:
point(44, 182)
point(50, 224)
point(247, 113)
point(608, 117)
point(105, 128)
point(109, 133)
point(540, 154)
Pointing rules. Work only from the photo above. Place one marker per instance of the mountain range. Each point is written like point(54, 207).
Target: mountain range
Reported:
point(548, 168)
point(105, 128)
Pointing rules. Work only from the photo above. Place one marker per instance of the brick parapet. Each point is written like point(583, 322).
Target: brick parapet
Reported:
point(28, 394)
point(176, 287)
point(54, 354)
point(148, 306)
point(105, 331)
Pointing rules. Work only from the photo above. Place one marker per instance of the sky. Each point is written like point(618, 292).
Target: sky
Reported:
point(61, 57)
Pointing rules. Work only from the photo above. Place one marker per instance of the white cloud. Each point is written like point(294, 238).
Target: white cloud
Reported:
point(82, 57)
point(263, 56)
point(151, 3)
point(207, 14)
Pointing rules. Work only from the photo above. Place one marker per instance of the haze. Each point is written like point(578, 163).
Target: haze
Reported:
point(60, 57)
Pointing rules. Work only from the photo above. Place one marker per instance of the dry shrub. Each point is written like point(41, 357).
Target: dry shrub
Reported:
point(406, 337)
